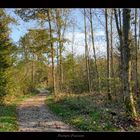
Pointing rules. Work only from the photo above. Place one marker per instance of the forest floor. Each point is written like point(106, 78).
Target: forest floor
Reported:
point(34, 116)
point(91, 112)
point(8, 114)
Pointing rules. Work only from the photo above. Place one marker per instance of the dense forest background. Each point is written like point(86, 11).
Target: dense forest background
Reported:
point(89, 54)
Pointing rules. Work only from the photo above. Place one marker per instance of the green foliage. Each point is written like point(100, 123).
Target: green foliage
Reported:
point(20, 80)
point(6, 51)
point(8, 120)
point(35, 42)
point(78, 111)
point(29, 70)
point(74, 74)
point(8, 114)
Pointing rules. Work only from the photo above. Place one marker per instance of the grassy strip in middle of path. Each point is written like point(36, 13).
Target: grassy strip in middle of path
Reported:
point(8, 114)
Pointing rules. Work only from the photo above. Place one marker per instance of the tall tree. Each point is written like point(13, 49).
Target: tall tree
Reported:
point(136, 55)
point(128, 94)
point(120, 34)
point(59, 26)
point(86, 53)
point(138, 29)
point(6, 49)
point(111, 51)
point(73, 70)
point(61, 21)
point(108, 55)
point(52, 49)
point(94, 51)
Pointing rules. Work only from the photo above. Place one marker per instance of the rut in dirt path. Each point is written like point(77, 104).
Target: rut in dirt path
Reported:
point(34, 116)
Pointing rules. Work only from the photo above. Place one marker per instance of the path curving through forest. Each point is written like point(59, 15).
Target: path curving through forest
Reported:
point(34, 116)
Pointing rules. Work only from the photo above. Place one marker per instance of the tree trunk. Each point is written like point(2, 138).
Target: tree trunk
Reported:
point(57, 77)
point(60, 37)
point(86, 53)
point(119, 30)
point(111, 53)
point(108, 56)
point(60, 61)
point(138, 45)
point(73, 69)
point(52, 51)
point(32, 71)
point(136, 55)
point(129, 100)
point(94, 51)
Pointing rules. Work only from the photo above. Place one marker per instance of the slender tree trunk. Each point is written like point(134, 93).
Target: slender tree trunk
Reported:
point(60, 61)
point(52, 52)
point(108, 56)
point(138, 46)
point(120, 19)
point(61, 64)
point(60, 36)
point(111, 53)
point(86, 53)
point(136, 56)
point(119, 30)
point(27, 62)
point(57, 51)
point(73, 70)
point(60, 49)
point(32, 69)
point(129, 100)
point(94, 51)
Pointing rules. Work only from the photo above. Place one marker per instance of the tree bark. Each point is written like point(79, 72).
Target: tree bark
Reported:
point(139, 31)
point(73, 69)
point(119, 30)
point(52, 52)
point(32, 70)
point(108, 56)
point(136, 56)
point(129, 99)
point(94, 52)
point(86, 53)
point(111, 53)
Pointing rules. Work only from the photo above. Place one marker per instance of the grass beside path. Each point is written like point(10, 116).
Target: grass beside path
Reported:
point(78, 111)
point(8, 114)
point(87, 113)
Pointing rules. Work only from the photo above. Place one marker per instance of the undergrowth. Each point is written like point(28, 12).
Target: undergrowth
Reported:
point(8, 114)
point(80, 112)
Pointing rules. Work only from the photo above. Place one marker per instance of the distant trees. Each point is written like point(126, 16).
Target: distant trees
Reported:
point(30, 69)
point(34, 45)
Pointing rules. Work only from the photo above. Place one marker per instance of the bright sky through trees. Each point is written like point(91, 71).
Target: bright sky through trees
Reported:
point(19, 30)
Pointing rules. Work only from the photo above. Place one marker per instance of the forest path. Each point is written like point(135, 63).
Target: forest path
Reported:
point(34, 116)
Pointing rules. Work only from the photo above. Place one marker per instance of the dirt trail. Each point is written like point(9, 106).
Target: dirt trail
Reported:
point(34, 116)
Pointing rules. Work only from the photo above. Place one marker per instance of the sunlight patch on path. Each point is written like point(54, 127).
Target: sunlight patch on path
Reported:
point(34, 116)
